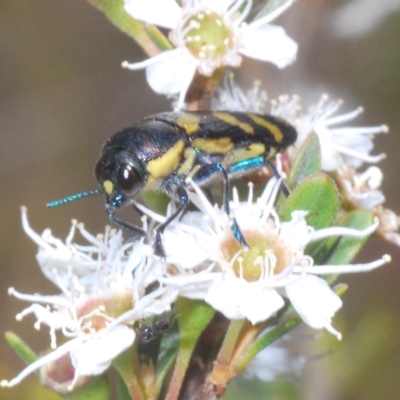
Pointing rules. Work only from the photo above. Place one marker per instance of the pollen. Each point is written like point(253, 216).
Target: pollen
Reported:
point(207, 35)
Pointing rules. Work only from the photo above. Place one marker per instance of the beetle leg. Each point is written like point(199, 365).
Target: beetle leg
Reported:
point(284, 188)
point(206, 174)
point(252, 164)
point(129, 227)
point(178, 192)
point(225, 199)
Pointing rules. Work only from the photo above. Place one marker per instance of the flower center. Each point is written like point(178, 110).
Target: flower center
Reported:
point(96, 313)
point(209, 37)
point(267, 255)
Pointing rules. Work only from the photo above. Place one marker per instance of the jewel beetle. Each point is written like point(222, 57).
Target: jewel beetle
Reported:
point(164, 151)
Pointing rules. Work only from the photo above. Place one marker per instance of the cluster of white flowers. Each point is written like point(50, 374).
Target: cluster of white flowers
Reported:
point(102, 293)
point(103, 285)
point(208, 35)
point(107, 287)
point(344, 149)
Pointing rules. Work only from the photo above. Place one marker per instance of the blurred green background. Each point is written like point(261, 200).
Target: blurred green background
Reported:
point(63, 92)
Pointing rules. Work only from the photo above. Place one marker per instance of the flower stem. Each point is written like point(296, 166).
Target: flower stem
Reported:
point(200, 92)
point(149, 38)
point(265, 341)
point(222, 371)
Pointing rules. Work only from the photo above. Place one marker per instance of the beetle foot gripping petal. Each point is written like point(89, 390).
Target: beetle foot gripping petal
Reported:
point(159, 247)
point(238, 234)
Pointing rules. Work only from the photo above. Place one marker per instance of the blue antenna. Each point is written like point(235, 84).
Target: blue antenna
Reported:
point(73, 197)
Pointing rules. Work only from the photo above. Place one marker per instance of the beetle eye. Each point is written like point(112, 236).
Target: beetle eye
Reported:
point(128, 179)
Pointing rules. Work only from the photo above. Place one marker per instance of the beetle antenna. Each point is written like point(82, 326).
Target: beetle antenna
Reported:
point(73, 197)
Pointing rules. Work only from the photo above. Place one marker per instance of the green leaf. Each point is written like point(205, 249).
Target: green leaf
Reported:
point(167, 353)
point(348, 247)
point(307, 162)
point(95, 389)
point(193, 317)
point(157, 201)
point(319, 196)
point(20, 347)
point(316, 194)
point(122, 390)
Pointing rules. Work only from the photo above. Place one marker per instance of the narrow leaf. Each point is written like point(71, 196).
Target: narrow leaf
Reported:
point(151, 40)
point(266, 340)
point(167, 353)
point(20, 347)
point(122, 390)
point(193, 317)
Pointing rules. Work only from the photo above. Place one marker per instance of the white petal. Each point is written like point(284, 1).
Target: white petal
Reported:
point(269, 43)
point(237, 298)
point(95, 355)
point(195, 291)
point(189, 242)
point(259, 304)
point(223, 295)
point(315, 301)
point(171, 74)
point(165, 13)
point(220, 6)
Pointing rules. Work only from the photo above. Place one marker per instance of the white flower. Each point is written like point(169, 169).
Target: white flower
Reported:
point(389, 224)
point(208, 35)
point(362, 189)
point(231, 97)
point(103, 292)
point(341, 147)
point(252, 283)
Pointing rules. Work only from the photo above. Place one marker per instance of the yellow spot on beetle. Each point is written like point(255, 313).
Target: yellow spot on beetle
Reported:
point(274, 129)
point(167, 163)
point(189, 122)
point(220, 145)
point(231, 120)
point(108, 186)
point(152, 183)
point(190, 156)
point(272, 152)
point(253, 150)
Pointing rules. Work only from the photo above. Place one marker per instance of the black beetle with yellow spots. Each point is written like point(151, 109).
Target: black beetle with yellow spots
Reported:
point(164, 151)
